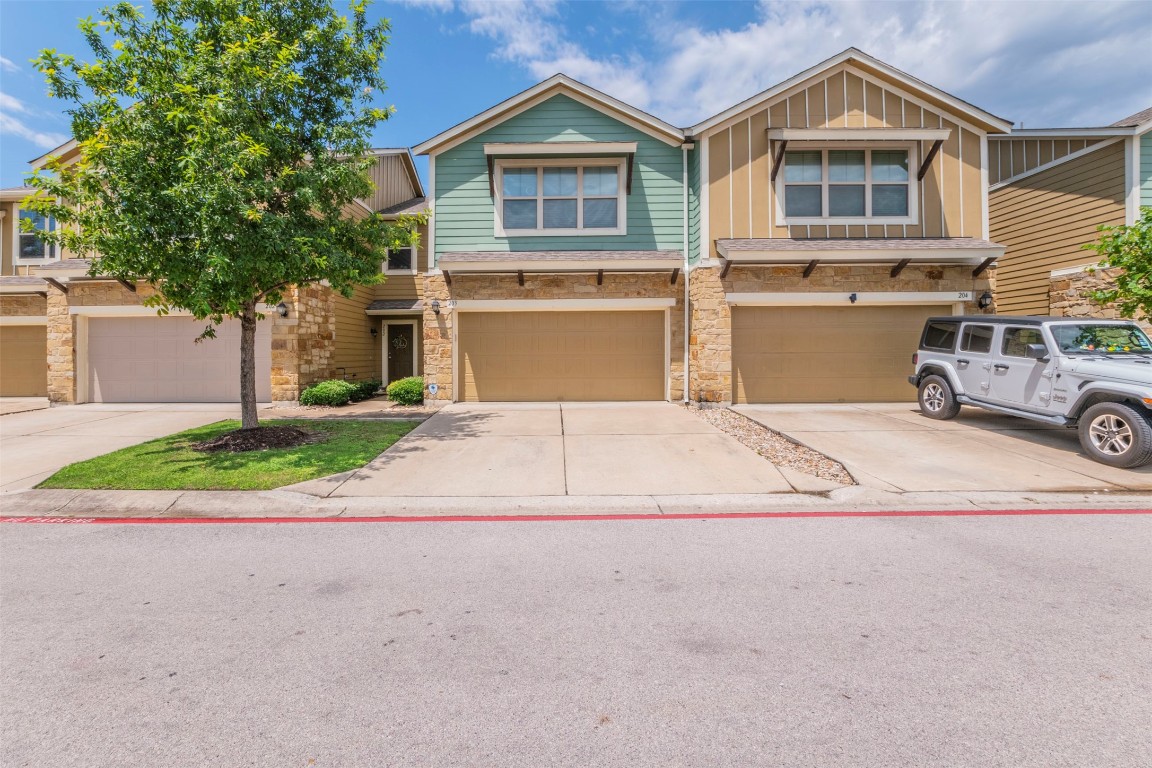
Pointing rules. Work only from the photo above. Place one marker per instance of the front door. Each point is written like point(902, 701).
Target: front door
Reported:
point(400, 346)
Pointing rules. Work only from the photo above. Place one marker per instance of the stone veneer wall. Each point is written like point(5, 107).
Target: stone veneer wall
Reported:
point(710, 339)
point(23, 305)
point(438, 352)
point(1069, 294)
point(302, 343)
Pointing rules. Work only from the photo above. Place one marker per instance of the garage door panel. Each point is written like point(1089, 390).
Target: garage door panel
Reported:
point(547, 356)
point(23, 361)
point(825, 354)
point(157, 359)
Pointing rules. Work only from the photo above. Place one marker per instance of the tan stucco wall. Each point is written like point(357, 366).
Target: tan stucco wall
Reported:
point(437, 335)
point(710, 337)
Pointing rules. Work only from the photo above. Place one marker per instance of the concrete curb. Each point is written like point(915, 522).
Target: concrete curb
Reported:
point(283, 503)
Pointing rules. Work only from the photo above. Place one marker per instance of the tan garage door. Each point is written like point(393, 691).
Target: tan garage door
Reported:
point(561, 356)
point(156, 360)
point(23, 361)
point(826, 354)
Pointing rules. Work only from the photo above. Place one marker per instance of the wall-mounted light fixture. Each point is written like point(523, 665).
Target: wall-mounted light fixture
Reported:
point(435, 306)
point(374, 332)
point(985, 300)
point(282, 309)
point(853, 298)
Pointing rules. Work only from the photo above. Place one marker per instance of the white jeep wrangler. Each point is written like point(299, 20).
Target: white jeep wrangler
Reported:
point(1095, 375)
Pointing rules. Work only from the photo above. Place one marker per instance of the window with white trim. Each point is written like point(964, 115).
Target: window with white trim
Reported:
point(30, 246)
point(847, 186)
point(560, 197)
point(400, 261)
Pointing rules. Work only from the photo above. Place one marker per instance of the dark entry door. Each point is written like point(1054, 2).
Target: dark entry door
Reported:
point(400, 352)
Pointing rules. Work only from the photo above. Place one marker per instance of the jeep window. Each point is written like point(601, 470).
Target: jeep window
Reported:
point(940, 335)
point(977, 338)
point(1101, 338)
point(1016, 341)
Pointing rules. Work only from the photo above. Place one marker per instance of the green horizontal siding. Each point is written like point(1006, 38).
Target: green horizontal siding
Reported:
point(464, 208)
point(1146, 169)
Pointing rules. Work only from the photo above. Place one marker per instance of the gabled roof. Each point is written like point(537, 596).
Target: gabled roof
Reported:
point(409, 164)
point(413, 206)
point(557, 84)
point(1139, 118)
point(871, 65)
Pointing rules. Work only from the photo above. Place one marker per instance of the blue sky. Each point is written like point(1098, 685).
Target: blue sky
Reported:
point(1040, 63)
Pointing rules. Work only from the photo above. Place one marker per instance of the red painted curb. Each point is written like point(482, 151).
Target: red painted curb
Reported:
point(567, 517)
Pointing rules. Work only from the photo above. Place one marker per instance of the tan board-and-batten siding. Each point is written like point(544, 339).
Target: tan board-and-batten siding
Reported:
point(1009, 157)
point(1045, 220)
point(741, 195)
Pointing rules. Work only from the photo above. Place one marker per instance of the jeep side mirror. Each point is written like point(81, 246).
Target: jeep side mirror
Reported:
point(1037, 352)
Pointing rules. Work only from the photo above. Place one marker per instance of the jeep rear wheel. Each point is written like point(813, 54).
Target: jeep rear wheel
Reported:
point(936, 398)
point(1116, 434)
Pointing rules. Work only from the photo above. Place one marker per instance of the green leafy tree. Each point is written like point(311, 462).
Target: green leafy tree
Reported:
point(222, 150)
point(1127, 249)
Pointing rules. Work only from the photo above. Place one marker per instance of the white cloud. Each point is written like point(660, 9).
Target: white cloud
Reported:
point(8, 65)
point(10, 106)
point(1046, 63)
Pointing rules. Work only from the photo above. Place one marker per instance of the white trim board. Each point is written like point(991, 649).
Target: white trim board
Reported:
point(563, 148)
point(134, 310)
point(562, 305)
point(839, 298)
point(23, 319)
point(859, 134)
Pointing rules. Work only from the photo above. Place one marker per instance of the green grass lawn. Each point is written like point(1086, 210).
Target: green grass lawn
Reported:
point(170, 463)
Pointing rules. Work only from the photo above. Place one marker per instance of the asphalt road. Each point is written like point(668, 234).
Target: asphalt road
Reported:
point(807, 642)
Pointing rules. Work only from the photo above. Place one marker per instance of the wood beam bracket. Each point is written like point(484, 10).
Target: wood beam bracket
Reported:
point(808, 270)
point(599, 277)
point(983, 266)
point(447, 278)
point(520, 277)
point(127, 285)
point(924, 166)
point(57, 285)
point(675, 274)
point(724, 272)
point(896, 270)
point(778, 159)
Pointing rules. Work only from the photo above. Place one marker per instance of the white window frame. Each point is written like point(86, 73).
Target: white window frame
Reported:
point(50, 247)
point(413, 256)
point(620, 164)
point(823, 149)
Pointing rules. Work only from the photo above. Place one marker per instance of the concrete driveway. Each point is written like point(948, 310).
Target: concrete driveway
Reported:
point(35, 444)
point(575, 449)
point(891, 446)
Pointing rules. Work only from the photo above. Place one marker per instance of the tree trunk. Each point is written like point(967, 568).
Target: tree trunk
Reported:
point(248, 417)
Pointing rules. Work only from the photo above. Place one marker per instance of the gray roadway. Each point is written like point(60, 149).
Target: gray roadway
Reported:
point(804, 642)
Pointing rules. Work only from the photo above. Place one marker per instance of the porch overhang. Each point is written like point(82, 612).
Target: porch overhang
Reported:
point(556, 262)
point(19, 285)
point(898, 252)
point(386, 307)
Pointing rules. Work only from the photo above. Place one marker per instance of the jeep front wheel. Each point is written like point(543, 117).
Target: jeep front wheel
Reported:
point(1116, 434)
point(936, 398)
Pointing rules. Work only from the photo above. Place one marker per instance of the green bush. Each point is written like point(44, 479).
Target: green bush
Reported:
point(332, 392)
point(365, 389)
point(409, 391)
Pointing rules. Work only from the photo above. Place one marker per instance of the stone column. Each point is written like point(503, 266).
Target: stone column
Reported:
point(61, 349)
point(437, 341)
point(710, 339)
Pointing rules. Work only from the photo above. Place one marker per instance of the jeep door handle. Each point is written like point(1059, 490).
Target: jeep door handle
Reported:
point(962, 362)
point(1000, 367)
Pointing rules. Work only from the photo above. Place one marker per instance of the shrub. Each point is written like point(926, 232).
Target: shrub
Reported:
point(409, 391)
point(332, 392)
point(365, 389)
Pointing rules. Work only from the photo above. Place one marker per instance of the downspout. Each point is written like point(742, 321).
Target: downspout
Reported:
point(687, 270)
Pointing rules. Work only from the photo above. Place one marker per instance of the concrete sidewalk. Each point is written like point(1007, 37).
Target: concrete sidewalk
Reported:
point(286, 504)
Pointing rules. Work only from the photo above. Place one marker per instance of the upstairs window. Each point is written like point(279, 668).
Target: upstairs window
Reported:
point(31, 247)
point(848, 186)
point(560, 198)
point(400, 260)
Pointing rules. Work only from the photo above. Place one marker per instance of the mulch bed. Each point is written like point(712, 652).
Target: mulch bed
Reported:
point(260, 439)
